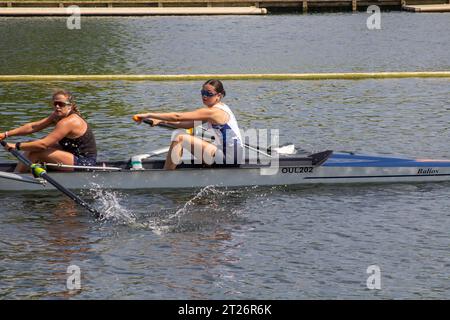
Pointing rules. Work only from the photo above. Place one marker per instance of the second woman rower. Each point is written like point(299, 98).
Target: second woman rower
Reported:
point(221, 122)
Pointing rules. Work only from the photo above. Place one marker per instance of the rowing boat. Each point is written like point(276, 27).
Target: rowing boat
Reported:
point(325, 167)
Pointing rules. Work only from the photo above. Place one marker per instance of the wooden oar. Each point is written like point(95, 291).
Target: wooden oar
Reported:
point(41, 173)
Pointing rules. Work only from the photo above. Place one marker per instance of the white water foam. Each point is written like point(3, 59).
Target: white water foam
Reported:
point(110, 206)
point(174, 221)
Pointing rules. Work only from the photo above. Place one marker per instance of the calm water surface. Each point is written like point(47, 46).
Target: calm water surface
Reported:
point(267, 243)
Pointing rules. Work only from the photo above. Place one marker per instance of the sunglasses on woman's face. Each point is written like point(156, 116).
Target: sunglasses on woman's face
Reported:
point(206, 93)
point(61, 104)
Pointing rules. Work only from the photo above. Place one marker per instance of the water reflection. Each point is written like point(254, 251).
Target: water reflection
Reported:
point(48, 238)
point(202, 261)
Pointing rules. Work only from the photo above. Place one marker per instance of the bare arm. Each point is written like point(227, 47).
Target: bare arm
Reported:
point(203, 114)
point(62, 129)
point(178, 124)
point(29, 128)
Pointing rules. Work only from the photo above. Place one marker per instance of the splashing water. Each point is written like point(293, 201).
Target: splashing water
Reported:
point(110, 206)
point(205, 192)
point(175, 221)
point(209, 206)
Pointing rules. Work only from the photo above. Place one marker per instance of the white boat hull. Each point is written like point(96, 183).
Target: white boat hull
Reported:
point(339, 168)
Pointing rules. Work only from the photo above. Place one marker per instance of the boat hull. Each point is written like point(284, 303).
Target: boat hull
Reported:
point(339, 168)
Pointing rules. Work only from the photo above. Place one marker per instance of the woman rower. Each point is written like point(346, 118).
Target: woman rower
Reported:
point(70, 143)
point(221, 122)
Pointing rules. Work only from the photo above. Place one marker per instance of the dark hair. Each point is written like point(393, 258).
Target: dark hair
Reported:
point(218, 86)
point(69, 97)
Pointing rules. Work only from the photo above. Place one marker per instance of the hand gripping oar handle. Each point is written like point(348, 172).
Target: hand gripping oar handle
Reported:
point(168, 126)
point(41, 173)
point(164, 125)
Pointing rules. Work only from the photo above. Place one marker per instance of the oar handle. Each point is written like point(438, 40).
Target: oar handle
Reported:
point(164, 125)
point(151, 123)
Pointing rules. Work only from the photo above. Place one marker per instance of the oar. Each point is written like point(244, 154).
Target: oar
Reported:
point(41, 173)
point(170, 126)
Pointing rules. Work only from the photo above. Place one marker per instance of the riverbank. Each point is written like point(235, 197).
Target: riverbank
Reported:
point(131, 11)
point(428, 8)
point(206, 7)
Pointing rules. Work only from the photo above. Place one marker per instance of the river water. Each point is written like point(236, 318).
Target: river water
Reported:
point(264, 243)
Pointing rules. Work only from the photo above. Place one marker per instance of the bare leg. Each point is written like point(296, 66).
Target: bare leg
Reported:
point(50, 155)
point(21, 168)
point(191, 143)
point(175, 152)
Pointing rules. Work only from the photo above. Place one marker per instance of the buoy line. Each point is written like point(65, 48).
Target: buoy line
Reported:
point(246, 76)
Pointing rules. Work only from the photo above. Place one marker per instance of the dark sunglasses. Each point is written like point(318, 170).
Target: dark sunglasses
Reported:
point(61, 104)
point(206, 93)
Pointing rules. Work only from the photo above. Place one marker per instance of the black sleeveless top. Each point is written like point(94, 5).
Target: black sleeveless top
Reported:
point(83, 146)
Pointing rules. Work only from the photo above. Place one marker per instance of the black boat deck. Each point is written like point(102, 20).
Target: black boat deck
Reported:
point(315, 159)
